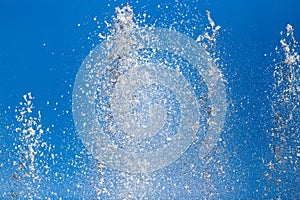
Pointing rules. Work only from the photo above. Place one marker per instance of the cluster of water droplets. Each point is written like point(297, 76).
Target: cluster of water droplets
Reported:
point(122, 46)
point(29, 147)
point(284, 136)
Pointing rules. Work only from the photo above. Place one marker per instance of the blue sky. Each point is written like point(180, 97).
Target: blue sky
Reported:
point(43, 43)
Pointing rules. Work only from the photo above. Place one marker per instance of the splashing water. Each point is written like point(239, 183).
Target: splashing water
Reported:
point(142, 98)
point(29, 134)
point(286, 92)
point(138, 60)
point(285, 139)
